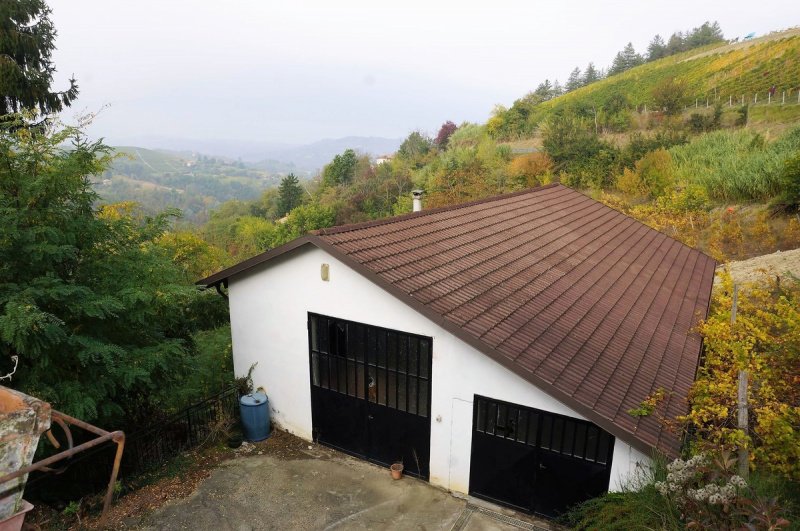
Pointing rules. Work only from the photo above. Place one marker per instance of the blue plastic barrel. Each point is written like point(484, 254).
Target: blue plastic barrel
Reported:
point(254, 409)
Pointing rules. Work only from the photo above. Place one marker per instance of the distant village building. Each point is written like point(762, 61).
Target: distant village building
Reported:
point(382, 159)
point(495, 348)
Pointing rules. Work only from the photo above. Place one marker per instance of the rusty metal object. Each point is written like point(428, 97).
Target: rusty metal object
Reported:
point(64, 420)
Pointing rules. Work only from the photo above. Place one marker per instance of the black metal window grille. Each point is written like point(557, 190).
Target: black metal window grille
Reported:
point(549, 431)
point(382, 366)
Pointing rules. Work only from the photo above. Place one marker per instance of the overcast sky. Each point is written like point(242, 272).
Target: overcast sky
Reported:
point(294, 71)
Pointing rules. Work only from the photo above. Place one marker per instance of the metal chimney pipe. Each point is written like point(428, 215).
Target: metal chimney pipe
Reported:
point(417, 200)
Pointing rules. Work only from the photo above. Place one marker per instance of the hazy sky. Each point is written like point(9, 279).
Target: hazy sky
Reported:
point(295, 72)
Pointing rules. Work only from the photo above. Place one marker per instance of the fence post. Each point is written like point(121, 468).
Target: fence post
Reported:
point(189, 426)
point(742, 100)
point(769, 97)
point(783, 99)
point(730, 101)
point(755, 98)
point(741, 398)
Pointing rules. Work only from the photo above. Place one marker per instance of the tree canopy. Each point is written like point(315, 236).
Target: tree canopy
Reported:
point(27, 41)
point(290, 194)
point(341, 169)
point(95, 313)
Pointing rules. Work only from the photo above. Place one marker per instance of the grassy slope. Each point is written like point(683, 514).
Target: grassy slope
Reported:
point(742, 68)
point(155, 161)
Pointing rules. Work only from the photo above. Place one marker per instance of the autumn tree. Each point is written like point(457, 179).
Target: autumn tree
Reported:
point(669, 96)
point(27, 41)
point(652, 176)
point(765, 341)
point(447, 129)
point(531, 169)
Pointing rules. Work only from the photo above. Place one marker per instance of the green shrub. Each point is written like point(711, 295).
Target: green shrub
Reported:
point(736, 165)
point(789, 198)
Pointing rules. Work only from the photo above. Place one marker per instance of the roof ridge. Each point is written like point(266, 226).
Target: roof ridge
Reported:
point(517, 206)
point(511, 237)
point(494, 270)
point(393, 219)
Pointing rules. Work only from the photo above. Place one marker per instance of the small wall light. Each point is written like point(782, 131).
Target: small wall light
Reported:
point(324, 272)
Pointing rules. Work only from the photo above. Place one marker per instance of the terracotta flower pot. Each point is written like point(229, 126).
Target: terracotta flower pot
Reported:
point(397, 470)
point(14, 522)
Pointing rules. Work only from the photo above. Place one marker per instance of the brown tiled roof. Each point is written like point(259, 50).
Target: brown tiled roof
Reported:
point(588, 304)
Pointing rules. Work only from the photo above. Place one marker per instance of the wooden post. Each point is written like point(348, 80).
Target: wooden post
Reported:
point(755, 98)
point(769, 97)
point(783, 99)
point(744, 461)
point(730, 100)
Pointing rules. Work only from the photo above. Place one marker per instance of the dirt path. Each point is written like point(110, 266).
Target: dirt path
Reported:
point(779, 263)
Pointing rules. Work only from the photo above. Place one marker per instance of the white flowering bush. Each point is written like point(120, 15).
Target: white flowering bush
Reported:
point(710, 496)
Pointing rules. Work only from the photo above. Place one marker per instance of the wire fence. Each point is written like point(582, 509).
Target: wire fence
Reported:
point(145, 450)
point(767, 97)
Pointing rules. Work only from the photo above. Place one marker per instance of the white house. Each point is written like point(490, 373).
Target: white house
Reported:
point(494, 347)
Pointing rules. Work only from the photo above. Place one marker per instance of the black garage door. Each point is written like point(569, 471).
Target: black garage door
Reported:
point(370, 391)
point(534, 460)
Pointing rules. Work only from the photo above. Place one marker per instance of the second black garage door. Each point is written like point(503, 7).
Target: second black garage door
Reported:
point(536, 461)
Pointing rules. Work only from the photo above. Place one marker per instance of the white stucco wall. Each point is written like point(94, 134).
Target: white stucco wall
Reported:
point(269, 307)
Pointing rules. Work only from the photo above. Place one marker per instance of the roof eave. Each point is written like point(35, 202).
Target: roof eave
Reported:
point(250, 263)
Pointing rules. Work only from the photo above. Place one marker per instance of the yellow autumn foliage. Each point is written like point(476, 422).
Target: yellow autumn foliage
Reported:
point(765, 341)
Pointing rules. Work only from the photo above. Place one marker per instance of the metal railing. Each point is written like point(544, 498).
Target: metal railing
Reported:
point(64, 421)
point(145, 449)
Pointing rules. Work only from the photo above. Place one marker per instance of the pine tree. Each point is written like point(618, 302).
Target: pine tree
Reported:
point(544, 90)
point(557, 89)
point(656, 49)
point(290, 195)
point(708, 33)
point(574, 81)
point(617, 65)
point(590, 75)
point(26, 71)
point(625, 60)
point(676, 43)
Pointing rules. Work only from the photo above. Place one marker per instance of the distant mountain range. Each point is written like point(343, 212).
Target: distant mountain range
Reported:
point(271, 157)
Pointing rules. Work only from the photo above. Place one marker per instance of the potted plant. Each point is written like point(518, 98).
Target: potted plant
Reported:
point(397, 470)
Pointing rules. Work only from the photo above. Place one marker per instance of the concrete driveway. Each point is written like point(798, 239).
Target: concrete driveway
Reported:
point(323, 489)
